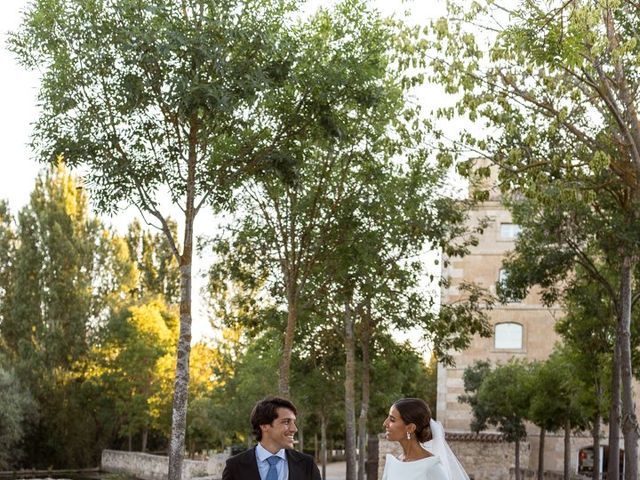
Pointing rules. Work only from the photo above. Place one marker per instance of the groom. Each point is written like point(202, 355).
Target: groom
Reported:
point(273, 421)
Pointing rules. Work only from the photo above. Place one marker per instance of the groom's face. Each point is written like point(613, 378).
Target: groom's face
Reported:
point(279, 433)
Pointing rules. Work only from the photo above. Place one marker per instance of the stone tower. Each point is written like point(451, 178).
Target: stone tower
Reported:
point(523, 330)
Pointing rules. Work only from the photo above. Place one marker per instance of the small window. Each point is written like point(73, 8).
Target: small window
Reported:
point(502, 278)
point(508, 336)
point(509, 230)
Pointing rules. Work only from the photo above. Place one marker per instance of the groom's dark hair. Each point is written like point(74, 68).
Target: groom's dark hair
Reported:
point(266, 411)
point(416, 411)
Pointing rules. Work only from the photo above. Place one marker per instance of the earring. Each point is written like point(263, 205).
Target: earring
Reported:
point(408, 436)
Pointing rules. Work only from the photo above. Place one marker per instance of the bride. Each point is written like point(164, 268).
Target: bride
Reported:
point(426, 455)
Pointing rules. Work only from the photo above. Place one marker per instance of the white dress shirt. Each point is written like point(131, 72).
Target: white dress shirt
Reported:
point(263, 465)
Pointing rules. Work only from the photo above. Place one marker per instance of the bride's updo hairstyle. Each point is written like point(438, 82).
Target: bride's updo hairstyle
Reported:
point(416, 411)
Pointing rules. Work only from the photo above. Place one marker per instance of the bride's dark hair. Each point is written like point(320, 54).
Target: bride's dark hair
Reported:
point(416, 411)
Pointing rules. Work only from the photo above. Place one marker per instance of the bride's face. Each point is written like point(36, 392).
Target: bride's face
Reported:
point(394, 426)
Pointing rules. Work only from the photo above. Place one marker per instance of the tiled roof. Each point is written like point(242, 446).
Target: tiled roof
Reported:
point(474, 437)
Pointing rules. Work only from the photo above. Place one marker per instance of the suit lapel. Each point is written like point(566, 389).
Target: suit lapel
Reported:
point(250, 466)
point(296, 470)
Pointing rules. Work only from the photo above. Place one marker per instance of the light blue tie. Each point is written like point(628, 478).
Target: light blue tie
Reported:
point(272, 474)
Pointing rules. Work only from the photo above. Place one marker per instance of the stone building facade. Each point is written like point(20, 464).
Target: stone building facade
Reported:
point(522, 330)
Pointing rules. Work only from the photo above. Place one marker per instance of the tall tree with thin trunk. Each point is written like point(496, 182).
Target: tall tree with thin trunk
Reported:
point(588, 331)
point(177, 101)
point(561, 87)
point(365, 347)
point(289, 223)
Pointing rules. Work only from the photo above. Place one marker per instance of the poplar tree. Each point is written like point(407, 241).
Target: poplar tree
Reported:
point(61, 286)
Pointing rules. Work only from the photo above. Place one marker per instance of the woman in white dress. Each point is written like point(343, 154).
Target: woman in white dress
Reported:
point(425, 453)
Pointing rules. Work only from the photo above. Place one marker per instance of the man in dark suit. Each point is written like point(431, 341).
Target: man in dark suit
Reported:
point(273, 421)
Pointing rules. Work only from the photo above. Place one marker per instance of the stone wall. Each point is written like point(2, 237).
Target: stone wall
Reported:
point(532, 475)
point(155, 467)
point(484, 456)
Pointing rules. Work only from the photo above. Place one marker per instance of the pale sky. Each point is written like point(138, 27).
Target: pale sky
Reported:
point(18, 97)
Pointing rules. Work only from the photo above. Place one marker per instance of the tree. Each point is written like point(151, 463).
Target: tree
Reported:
point(560, 85)
point(563, 249)
point(17, 407)
point(185, 99)
point(286, 224)
point(588, 330)
point(472, 378)
point(319, 367)
point(566, 252)
point(556, 403)
point(64, 274)
point(133, 344)
point(500, 397)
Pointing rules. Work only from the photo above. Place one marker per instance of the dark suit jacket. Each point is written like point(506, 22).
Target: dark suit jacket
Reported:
point(245, 467)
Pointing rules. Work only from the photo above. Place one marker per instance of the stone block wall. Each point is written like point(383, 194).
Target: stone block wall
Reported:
point(532, 475)
point(155, 467)
point(486, 457)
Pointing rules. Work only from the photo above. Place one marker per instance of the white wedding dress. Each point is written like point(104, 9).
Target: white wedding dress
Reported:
point(442, 465)
point(429, 468)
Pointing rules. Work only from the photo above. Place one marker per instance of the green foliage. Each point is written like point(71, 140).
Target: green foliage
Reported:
point(61, 287)
point(356, 217)
point(133, 353)
point(7, 252)
point(459, 321)
point(398, 371)
point(64, 278)
point(137, 92)
point(157, 266)
point(472, 378)
point(18, 412)
point(500, 396)
point(50, 301)
point(558, 95)
point(558, 396)
point(194, 98)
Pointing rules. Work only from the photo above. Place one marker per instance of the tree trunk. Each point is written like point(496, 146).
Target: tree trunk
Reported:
point(331, 449)
point(517, 460)
point(595, 433)
point(179, 413)
point(613, 466)
point(181, 389)
point(145, 436)
point(541, 454)
point(349, 392)
point(300, 425)
point(316, 453)
point(130, 441)
point(364, 409)
point(629, 419)
point(292, 318)
point(323, 445)
point(567, 450)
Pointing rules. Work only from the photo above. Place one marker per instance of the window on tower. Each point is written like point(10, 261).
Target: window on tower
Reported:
point(508, 336)
point(509, 231)
point(500, 286)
